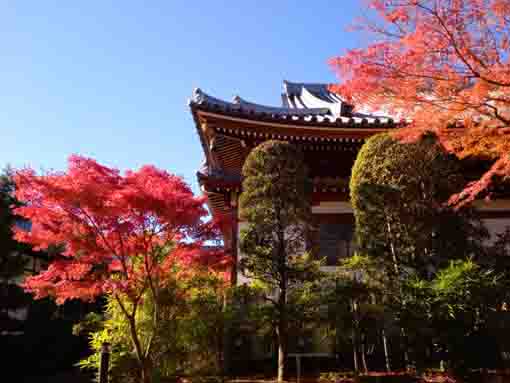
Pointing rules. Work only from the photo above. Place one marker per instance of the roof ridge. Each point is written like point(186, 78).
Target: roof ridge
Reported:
point(311, 105)
point(199, 97)
point(291, 88)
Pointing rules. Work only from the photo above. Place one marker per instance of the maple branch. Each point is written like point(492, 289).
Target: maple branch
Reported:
point(155, 309)
point(123, 257)
point(498, 99)
point(121, 305)
point(98, 230)
point(133, 330)
point(459, 54)
point(132, 326)
point(121, 241)
point(497, 115)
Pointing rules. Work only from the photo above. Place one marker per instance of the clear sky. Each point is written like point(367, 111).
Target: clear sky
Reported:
point(111, 80)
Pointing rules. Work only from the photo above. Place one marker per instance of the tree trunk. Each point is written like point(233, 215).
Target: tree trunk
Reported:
point(282, 330)
point(355, 350)
point(355, 340)
point(224, 346)
point(146, 371)
point(363, 353)
point(143, 360)
point(282, 346)
point(385, 348)
point(403, 335)
point(404, 348)
point(282, 299)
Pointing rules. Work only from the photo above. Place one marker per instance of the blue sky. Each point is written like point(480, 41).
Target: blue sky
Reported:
point(110, 80)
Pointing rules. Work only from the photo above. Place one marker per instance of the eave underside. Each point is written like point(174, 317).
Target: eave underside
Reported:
point(329, 153)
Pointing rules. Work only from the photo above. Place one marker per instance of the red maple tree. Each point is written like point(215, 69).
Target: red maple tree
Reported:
point(117, 234)
point(440, 63)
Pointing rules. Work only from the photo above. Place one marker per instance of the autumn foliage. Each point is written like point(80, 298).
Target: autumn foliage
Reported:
point(103, 221)
point(112, 233)
point(441, 64)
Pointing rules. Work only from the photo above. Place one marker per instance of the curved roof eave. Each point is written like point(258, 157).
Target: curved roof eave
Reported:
point(303, 105)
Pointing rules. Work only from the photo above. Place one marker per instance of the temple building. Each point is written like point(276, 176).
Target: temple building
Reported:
point(330, 132)
point(325, 127)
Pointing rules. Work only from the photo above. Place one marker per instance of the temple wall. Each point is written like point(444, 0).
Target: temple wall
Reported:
point(496, 226)
point(496, 218)
point(496, 215)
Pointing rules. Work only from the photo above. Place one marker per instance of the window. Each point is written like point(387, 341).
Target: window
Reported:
point(335, 241)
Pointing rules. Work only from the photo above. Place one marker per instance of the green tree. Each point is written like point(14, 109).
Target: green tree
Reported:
point(187, 337)
point(12, 261)
point(399, 193)
point(276, 206)
point(358, 308)
point(463, 305)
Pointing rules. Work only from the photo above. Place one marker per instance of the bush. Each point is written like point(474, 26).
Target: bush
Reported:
point(186, 340)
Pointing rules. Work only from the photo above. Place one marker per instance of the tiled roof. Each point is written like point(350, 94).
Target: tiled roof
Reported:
point(301, 103)
point(200, 98)
point(302, 96)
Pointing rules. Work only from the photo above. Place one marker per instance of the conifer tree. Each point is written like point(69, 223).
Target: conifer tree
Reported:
point(276, 205)
point(11, 263)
